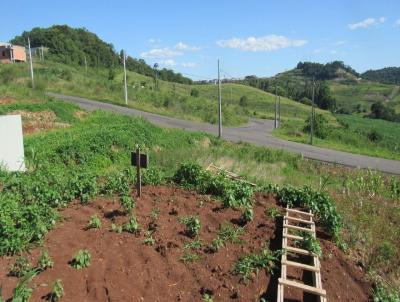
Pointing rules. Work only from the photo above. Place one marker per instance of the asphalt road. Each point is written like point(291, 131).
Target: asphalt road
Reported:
point(257, 132)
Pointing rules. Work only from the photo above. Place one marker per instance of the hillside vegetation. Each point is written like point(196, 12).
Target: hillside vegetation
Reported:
point(192, 102)
point(78, 47)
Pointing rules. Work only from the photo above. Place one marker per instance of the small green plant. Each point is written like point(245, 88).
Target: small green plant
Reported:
point(20, 267)
point(309, 243)
point(45, 261)
point(273, 212)
point(192, 224)
point(57, 292)
point(132, 226)
point(250, 264)
point(22, 293)
point(127, 203)
point(207, 298)
point(248, 214)
point(189, 257)
point(194, 245)
point(95, 222)
point(81, 260)
point(227, 233)
point(154, 214)
point(382, 294)
point(116, 228)
point(149, 240)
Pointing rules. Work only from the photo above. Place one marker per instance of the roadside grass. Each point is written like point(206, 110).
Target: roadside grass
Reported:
point(353, 135)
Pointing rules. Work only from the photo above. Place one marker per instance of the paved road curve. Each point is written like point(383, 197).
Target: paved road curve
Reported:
point(257, 132)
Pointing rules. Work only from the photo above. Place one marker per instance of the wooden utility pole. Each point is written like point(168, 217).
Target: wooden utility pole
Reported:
point(276, 106)
point(31, 64)
point(138, 174)
point(279, 111)
point(219, 105)
point(85, 65)
point(125, 84)
point(312, 113)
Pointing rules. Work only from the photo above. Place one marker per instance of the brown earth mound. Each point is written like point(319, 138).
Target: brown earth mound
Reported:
point(33, 122)
point(123, 268)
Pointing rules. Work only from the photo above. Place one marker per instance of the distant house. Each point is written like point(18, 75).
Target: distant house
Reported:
point(12, 53)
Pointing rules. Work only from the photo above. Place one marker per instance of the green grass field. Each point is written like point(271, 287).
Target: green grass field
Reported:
point(351, 136)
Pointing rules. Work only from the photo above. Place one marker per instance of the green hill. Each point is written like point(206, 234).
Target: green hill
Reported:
point(193, 102)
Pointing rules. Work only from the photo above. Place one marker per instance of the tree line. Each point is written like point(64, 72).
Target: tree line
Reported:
point(388, 75)
point(77, 46)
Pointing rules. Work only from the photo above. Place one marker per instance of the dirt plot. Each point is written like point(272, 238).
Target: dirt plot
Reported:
point(123, 268)
point(6, 100)
point(33, 122)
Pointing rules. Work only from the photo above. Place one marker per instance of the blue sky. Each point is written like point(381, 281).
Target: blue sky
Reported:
point(249, 37)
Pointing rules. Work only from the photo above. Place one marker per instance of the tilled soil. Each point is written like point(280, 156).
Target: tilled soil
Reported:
point(123, 268)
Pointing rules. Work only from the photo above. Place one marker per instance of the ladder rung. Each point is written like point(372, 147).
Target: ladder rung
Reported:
point(295, 227)
point(297, 250)
point(300, 212)
point(298, 220)
point(307, 288)
point(293, 237)
point(301, 265)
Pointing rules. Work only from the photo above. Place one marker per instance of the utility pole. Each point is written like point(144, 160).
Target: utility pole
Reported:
point(219, 105)
point(276, 105)
point(42, 53)
point(279, 111)
point(30, 60)
point(312, 113)
point(85, 65)
point(125, 85)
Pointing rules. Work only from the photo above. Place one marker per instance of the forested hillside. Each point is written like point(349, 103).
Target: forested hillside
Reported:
point(75, 45)
point(388, 75)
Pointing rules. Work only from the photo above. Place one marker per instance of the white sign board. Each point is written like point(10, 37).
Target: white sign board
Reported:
point(11, 143)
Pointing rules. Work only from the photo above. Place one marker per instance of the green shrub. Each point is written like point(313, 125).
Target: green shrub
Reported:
point(127, 203)
point(249, 264)
point(81, 260)
point(309, 243)
point(132, 226)
point(321, 126)
point(45, 261)
point(192, 224)
point(194, 93)
point(57, 292)
point(374, 136)
point(20, 267)
point(383, 294)
point(95, 222)
point(320, 203)
point(152, 176)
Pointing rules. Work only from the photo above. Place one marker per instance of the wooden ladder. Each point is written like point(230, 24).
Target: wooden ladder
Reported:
point(305, 218)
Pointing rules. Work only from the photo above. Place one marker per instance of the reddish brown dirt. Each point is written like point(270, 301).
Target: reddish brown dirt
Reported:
point(124, 269)
point(6, 100)
point(33, 122)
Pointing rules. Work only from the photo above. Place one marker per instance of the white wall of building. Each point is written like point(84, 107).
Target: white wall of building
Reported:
point(11, 143)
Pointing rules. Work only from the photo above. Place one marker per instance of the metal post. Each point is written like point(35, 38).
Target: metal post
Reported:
point(276, 105)
point(31, 64)
point(125, 85)
point(219, 105)
point(312, 113)
point(138, 175)
point(42, 53)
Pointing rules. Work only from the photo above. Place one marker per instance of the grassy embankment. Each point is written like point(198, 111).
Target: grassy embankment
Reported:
point(69, 162)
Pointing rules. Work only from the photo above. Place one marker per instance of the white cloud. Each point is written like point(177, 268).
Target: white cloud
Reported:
point(183, 46)
point(397, 23)
point(265, 43)
point(338, 43)
point(319, 50)
point(367, 23)
point(168, 63)
point(189, 64)
point(160, 53)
